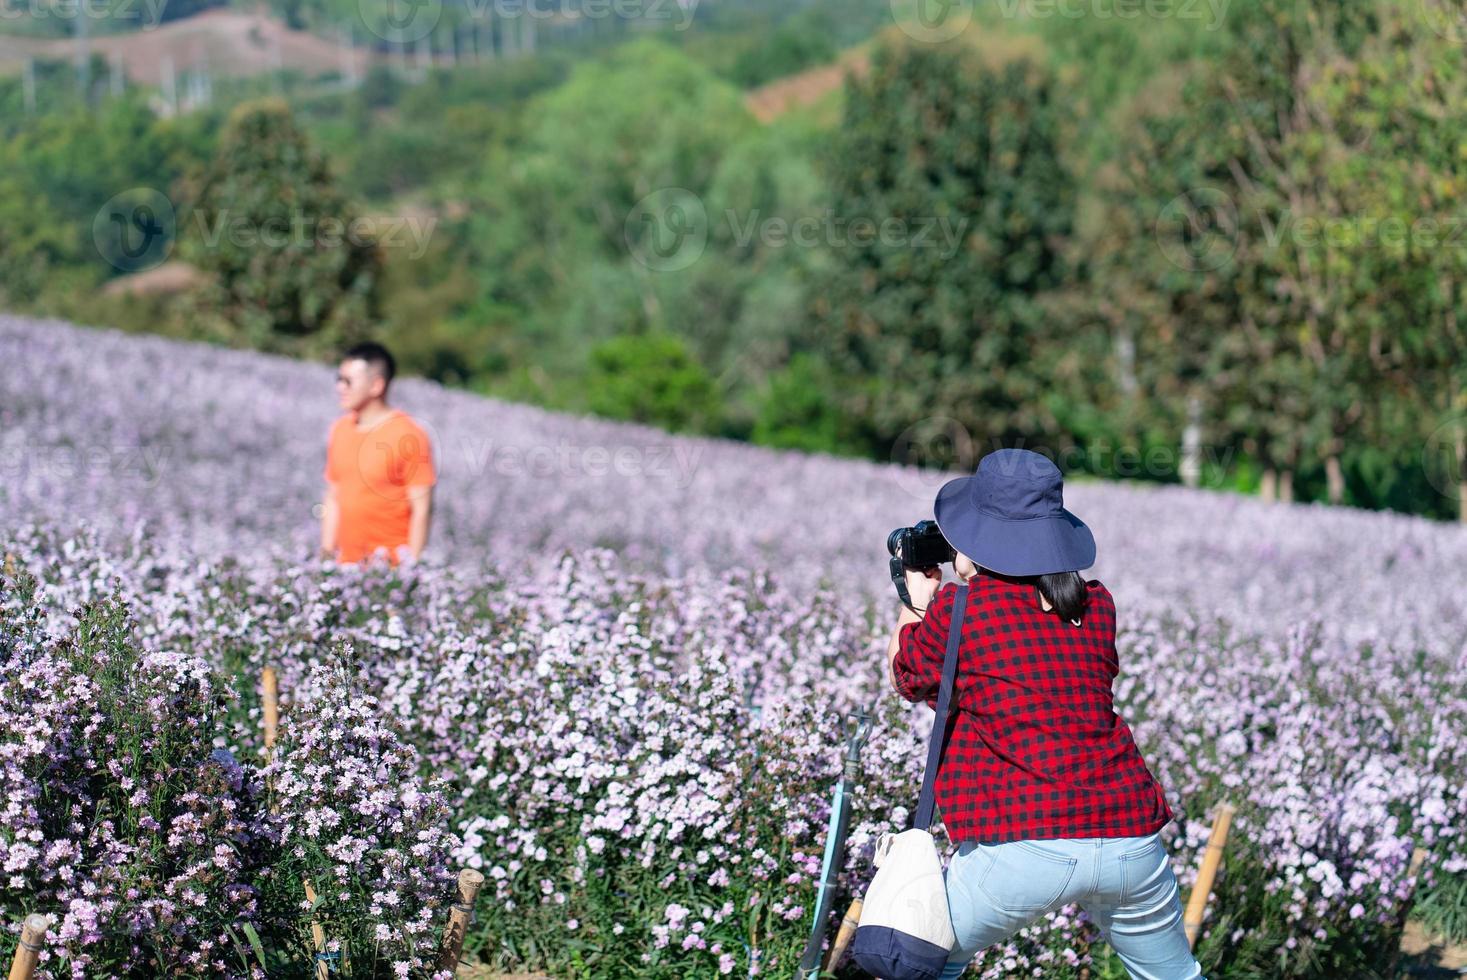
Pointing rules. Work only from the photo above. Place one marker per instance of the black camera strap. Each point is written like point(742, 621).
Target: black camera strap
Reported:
point(899, 579)
point(927, 801)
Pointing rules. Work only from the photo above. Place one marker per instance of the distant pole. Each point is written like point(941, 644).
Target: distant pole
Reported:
point(28, 86)
point(453, 46)
point(204, 85)
point(1190, 469)
point(348, 57)
point(169, 81)
point(83, 55)
point(278, 58)
point(1126, 361)
point(116, 72)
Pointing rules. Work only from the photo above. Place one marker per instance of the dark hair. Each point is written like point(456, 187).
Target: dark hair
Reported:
point(378, 358)
point(1066, 592)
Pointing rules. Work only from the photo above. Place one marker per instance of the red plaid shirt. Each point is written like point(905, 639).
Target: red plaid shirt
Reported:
point(1036, 749)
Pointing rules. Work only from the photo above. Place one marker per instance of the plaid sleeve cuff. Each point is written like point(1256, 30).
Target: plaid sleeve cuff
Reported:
point(921, 647)
point(908, 682)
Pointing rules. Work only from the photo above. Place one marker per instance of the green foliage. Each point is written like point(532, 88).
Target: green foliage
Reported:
point(1442, 906)
point(942, 316)
point(57, 171)
point(792, 48)
point(554, 235)
point(1240, 255)
point(755, 42)
point(799, 409)
point(293, 270)
point(645, 119)
point(651, 379)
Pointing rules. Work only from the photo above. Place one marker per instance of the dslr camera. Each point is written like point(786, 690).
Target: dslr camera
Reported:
point(920, 546)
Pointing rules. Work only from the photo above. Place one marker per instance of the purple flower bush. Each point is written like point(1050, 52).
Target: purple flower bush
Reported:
point(155, 854)
point(351, 816)
point(619, 693)
point(120, 822)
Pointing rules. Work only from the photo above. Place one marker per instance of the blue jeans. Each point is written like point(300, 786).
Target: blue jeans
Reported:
point(1125, 883)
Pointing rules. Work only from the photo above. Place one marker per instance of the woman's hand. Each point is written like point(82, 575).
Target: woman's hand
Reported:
point(922, 585)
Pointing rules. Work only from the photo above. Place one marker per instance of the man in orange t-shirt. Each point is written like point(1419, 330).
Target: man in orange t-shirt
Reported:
point(379, 467)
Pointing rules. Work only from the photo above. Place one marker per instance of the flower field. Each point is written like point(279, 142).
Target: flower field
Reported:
point(616, 687)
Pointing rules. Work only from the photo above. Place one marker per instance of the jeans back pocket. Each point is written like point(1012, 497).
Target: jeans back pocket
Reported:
point(1025, 877)
point(1143, 870)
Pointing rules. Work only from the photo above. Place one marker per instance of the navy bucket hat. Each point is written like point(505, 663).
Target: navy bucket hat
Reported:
point(1009, 517)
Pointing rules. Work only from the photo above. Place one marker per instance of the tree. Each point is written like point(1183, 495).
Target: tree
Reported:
point(1243, 247)
point(947, 179)
point(797, 410)
point(651, 379)
point(1407, 99)
point(293, 268)
point(569, 226)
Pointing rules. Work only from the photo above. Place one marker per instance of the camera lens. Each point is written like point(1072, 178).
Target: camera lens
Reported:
point(894, 540)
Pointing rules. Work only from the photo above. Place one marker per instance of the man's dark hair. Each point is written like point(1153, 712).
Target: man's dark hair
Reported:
point(377, 357)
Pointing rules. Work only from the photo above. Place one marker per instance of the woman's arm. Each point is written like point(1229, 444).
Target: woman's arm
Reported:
point(921, 586)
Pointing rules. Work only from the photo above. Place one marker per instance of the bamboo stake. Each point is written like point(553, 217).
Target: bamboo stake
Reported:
point(1413, 875)
point(318, 935)
point(1413, 871)
point(1211, 857)
point(32, 934)
point(271, 688)
point(9, 565)
point(843, 937)
point(469, 883)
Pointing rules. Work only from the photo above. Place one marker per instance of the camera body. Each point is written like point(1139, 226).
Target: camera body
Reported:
point(920, 546)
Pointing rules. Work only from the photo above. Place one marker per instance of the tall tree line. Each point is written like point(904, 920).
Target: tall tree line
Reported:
point(1273, 258)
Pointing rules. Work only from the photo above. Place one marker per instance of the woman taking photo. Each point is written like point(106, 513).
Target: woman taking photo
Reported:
point(1041, 785)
